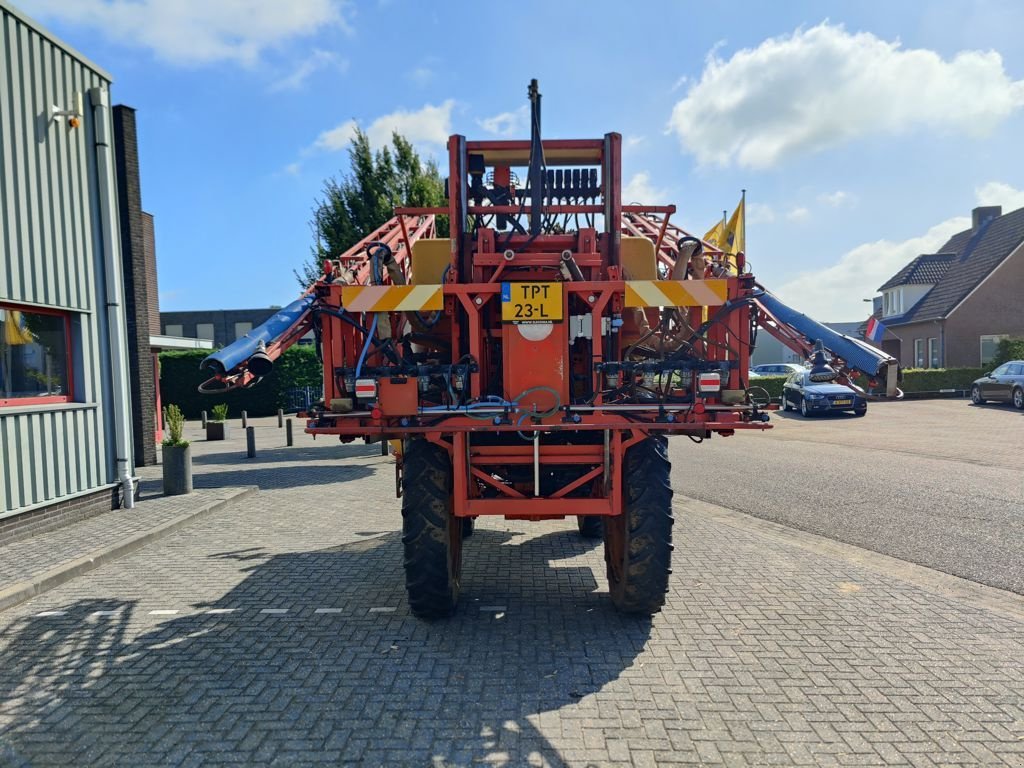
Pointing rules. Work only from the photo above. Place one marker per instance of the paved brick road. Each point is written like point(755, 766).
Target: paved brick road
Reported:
point(277, 633)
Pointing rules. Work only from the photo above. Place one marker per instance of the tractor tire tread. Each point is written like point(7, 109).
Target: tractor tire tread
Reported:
point(427, 482)
point(648, 508)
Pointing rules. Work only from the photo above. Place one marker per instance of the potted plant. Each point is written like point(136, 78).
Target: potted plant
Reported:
point(217, 427)
point(177, 454)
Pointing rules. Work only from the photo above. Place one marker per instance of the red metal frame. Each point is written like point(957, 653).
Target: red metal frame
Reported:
point(583, 476)
point(14, 402)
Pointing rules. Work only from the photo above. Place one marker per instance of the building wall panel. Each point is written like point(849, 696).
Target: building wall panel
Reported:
point(51, 256)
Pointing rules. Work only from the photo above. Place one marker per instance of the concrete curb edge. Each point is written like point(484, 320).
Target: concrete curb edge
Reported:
point(21, 591)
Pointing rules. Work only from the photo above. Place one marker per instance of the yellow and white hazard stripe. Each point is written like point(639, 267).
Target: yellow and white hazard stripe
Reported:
point(676, 293)
point(392, 298)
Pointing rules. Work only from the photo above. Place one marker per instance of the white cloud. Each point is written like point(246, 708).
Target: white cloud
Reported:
point(337, 138)
point(293, 169)
point(507, 124)
point(998, 193)
point(314, 62)
point(836, 293)
point(836, 199)
point(631, 142)
point(429, 125)
point(798, 214)
point(422, 76)
point(823, 86)
point(760, 213)
point(195, 32)
point(640, 190)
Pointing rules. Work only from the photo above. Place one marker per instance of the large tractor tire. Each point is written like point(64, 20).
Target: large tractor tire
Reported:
point(590, 526)
point(638, 543)
point(431, 534)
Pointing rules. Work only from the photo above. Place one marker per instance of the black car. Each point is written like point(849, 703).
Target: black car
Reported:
point(811, 397)
point(1005, 383)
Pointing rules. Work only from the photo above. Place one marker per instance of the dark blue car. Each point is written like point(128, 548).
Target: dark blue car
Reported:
point(810, 397)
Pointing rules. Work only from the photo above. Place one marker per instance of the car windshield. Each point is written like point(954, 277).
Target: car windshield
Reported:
point(1002, 370)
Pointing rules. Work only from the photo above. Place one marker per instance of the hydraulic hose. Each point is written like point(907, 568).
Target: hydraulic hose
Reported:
point(366, 345)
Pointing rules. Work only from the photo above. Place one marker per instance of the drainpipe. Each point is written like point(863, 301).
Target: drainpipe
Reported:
point(100, 98)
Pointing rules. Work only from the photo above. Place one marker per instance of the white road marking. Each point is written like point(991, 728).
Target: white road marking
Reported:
point(275, 611)
point(52, 613)
point(222, 610)
point(163, 613)
point(328, 610)
point(382, 610)
point(491, 608)
point(104, 613)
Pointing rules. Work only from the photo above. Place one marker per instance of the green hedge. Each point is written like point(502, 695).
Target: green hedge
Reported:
point(935, 379)
point(1008, 349)
point(180, 377)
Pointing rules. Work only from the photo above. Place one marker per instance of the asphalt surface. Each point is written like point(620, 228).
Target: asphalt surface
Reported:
point(938, 483)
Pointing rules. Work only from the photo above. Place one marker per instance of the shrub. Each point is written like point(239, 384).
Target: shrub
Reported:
point(1008, 349)
point(180, 377)
point(174, 420)
point(220, 412)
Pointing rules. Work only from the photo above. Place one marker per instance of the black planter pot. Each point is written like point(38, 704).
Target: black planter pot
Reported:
point(217, 430)
point(177, 466)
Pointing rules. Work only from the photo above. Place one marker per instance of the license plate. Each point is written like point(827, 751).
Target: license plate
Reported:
point(842, 402)
point(531, 302)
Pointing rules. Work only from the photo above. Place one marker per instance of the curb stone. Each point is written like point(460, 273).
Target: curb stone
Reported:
point(21, 591)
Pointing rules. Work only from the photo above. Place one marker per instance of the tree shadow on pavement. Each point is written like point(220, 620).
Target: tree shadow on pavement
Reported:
point(359, 681)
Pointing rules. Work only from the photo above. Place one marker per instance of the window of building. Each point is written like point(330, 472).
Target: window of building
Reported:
point(174, 330)
point(933, 353)
point(35, 356)
point(988, 347)
point(241, 329)
point(892, 302)
point(919, 359)
point(204, 331)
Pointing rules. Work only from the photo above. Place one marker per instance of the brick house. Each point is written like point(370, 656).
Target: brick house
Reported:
point(950, 309)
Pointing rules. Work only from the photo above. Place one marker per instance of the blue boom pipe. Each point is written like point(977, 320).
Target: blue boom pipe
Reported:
point(858, 355)
point(249, 350)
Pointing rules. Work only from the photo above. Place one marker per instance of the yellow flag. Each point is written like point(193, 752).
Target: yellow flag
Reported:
point(714, 235)
point(735, 239)
point(14, 333)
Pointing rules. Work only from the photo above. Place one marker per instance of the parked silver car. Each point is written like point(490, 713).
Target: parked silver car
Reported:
point(1005, 384)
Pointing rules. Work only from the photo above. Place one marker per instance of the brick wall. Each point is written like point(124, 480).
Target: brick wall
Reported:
point(57, 515)
point(138, 293)
point(996, 307)
point(223, 321)
point(907, 334)
point(149, 244)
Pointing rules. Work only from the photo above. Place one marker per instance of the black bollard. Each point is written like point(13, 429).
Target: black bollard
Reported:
point(288, 432)
point(250, 442)
point(280, 418)
point(204, 419)
point(245, 420)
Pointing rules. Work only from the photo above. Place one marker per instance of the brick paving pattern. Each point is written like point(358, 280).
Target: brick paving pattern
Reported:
point(256, 637)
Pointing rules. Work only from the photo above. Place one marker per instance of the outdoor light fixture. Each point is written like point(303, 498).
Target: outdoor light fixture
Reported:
point(74, 115)
point(820, 369)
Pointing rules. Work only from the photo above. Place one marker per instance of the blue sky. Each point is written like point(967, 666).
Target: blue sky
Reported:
point(863, 132)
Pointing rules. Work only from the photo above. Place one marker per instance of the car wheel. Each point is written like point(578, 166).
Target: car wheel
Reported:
point(1018, 398)
point(861, 411)
point(803, 408)
point(785, 402)
point(976, 397)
